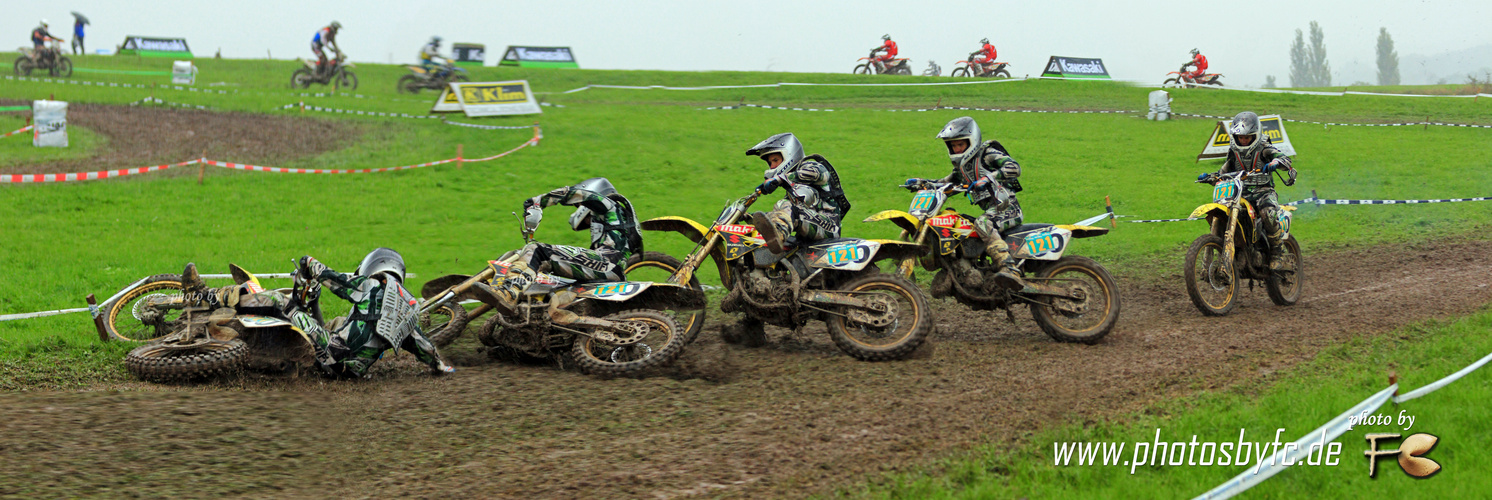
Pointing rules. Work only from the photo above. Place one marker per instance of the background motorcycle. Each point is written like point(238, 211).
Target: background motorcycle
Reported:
point(418, 78)
point(1072, 298)
point(1235, 249)
point(51, 60)
point(985, 70)
point(1183, 78)
point(872, 65)
point(338, 74)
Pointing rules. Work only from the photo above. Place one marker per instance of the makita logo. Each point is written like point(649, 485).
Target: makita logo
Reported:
point(945, 221)
point(735, 229)
point(1092, 68)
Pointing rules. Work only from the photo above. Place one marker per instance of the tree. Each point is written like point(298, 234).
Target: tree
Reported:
point(1300, 63)
point(1269, 82)
point(1388, 60)
point(1320, 69)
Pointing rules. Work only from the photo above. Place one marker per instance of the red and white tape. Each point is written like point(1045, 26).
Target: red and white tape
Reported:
point(85, 176)
point(280, 170)
point(23, 129)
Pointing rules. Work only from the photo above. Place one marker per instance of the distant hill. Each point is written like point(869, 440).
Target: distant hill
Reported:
point(1420, 69)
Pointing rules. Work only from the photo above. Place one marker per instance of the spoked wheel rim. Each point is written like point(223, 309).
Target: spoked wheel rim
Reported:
point(1289, 278)
point(659, 335)
point(1215, 280)
point(133, 318)
point(902, 323)
point(1089, 310)
point(658, 271)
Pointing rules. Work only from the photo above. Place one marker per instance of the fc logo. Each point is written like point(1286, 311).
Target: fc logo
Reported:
point(1409, 454)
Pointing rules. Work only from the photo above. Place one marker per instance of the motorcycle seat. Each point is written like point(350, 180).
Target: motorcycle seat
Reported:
point(1024, 229)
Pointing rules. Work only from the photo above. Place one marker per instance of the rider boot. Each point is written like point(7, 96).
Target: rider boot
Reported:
point(1276, 249)
point(1009, 277)
point(508, 289)
point(770, 231)
point(194, 290)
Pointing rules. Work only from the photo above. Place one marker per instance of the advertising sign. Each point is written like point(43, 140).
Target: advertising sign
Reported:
point(538, 57)
point(1272, 128)
point(494, 98)
point(1075, 67)
point(155, 47)
point(50, 130)
point(469, 54)
point(446, 102)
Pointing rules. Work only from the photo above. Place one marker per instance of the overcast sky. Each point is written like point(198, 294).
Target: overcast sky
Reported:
point(1242, 40)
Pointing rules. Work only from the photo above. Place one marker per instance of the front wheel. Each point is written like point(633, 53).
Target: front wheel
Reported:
point(345, 80)
point(301, 78)
point(1211, 278)
point(1171, 82)
point(148, 312)
point(657, 267)
point(960, 72)
point(24, 66)
point(409, 84)
point(444, 324)
point(896, 323)
point(204, 358)
point(1093, 309)
point(1284, 285)
point(663, 343)
point(63, 67)
point(863, 69)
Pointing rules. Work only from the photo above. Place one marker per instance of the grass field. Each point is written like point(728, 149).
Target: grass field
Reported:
point(1299, 400)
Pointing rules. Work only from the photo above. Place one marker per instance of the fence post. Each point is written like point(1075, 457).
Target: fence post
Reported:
point(201, 167)
point(98, 319)
point(939, 103)
point(1427, 123)
point(1109, 206)
point(458, 156)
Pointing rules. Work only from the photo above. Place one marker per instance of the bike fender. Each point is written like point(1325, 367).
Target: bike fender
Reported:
point(902, 219)
point(1084, 231)
point(682, 225)
point(898, 250)
point(1209, 208)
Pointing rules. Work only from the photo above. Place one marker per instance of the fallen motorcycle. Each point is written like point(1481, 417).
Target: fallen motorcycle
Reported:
point(1183, 78)
point(1072, 298)
point(875, 66)
point(419, 78)
point(1235, 249)
point(607, 328)
point(871, 315)
point(337, 74)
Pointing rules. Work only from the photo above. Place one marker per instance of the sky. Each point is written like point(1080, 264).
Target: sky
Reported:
point(1137, 40)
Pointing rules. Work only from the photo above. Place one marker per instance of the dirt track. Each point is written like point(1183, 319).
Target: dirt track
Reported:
point(789, 419)
point(146, 136)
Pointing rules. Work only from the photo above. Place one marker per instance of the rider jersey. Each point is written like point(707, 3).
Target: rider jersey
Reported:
point(613, 221)
point(988, 54)
point(816, 171)
point(1201, 62)
point(890, 48)
point(40, 36)
point(1256, 182)
point(323, 36)
point(429, 52)
point(990, 162)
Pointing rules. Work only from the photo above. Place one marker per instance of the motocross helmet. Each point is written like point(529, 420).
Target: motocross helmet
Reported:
point(581, 219)
point(43, 23)
point(1245, 125)
point(785, 143)
point(335, 26)
point(1196, 52)
point(984, 41)
point(962, 127)
point(886, 37)
point(435, 40)
point(382, 260)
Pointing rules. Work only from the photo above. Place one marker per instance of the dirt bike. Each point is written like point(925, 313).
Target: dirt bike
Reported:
point(202, 342)
point(875, 66)
point(1236, 249)
point(337, 74)
point(1072, 298)
point(51, 59)
point(932, 69)
point(418, 78)
point(1183, 78)
point(981, 70)
point(871, 316)
point(608, 328)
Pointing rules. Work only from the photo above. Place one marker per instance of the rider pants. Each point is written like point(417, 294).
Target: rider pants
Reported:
point(806, 223)
point(333, 353)
point(581, 264)
point(1268, 208)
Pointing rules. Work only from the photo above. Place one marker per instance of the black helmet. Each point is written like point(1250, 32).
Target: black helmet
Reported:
point(382, 260)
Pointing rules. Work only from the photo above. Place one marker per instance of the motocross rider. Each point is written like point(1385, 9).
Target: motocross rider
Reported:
point(888, 49)
point(325, 37)
point(1250, 151)
point(384, 315)
point(1199, 61)
point(614, 238)
point(991, 177)
point(814, 203)
point(431, 60)
point(39, 38)
point(984, 56)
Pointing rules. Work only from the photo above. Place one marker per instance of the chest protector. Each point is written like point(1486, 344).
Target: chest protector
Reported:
point(399, 316)
point(627, 224)
point(835, 193)
point(1248, 161)
point(973, 169)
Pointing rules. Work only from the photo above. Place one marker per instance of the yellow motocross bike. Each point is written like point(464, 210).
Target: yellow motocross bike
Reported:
point(1072, 298)
point(871, 315)
point(1235, 249)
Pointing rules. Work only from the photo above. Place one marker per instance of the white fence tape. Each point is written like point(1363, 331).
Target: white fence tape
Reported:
point(785, 84)
point(1321, 201)
point(763, 106)
point(1442, 382)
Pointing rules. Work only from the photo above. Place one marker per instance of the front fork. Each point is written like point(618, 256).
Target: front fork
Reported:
point(1228, 250)
point(907, 265)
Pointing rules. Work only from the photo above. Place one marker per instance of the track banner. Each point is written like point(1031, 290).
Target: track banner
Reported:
point(50, 130)
point(155, 47)
point(446, 102)
point(469, 54)
point(1273, 129)
point(1075, 67)
point(495, 98)
point(538, 57)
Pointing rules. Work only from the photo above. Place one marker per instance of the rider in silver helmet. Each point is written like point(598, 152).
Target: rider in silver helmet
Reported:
point(991, 176)
point(1250, 151)
point(384, 314)
point(614, 238)
point(814, 203)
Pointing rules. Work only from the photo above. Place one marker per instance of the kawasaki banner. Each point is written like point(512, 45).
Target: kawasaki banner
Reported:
point(469, 54)
point(154, 47)
point(1075, 67)
point(1273, 129)
point(538, 57)
point(490, 98)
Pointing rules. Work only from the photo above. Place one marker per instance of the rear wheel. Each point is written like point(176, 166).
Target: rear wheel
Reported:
point(150, 311)
point(345, 80)
point(1211, 278)
point(960, 72)
point(203, 358)
point(1284, 285)
point(300, 79)
point(409, 84)
point(863, 69)
point(662, 344)
point(24, 66)
point(444, 324)
point(657, 267)
point(895, 325)
point(1002, 74)
point(1094, 308)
